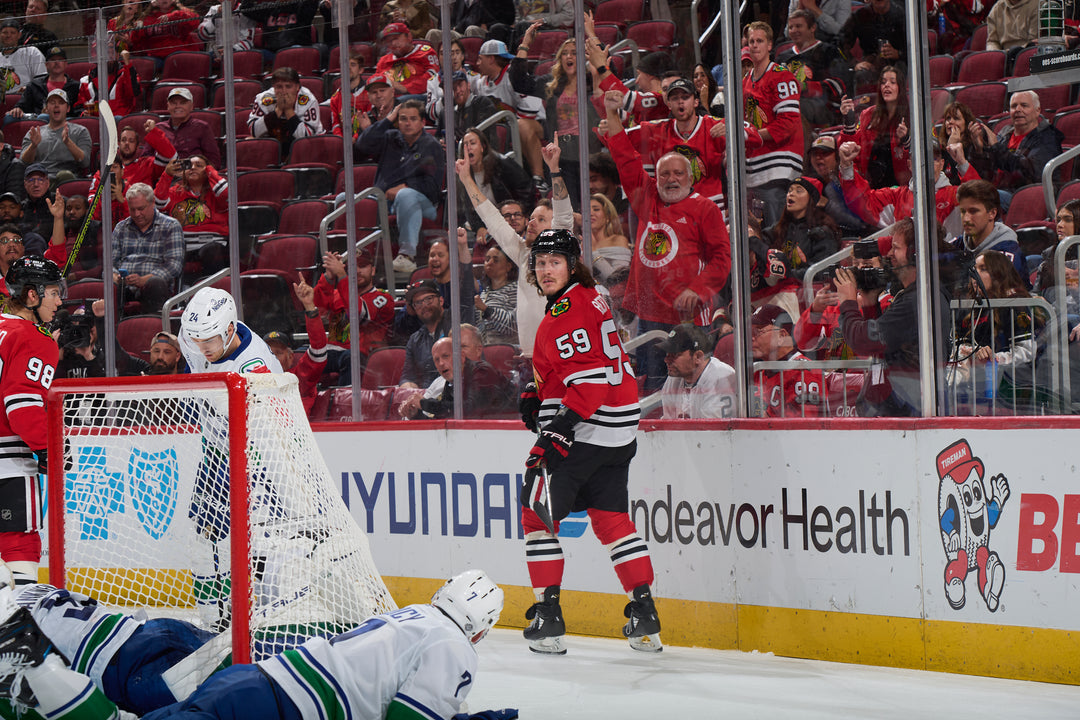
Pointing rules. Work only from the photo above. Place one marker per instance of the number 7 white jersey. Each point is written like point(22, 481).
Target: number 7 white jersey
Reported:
point(414, 657)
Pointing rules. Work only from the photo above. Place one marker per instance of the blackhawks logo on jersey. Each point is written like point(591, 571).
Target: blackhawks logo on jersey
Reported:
point(801, 72)
point(191, 212)
point(754, 114)
point(9, 79)
point(697, 168)
point(659, 245)
point(560, 307)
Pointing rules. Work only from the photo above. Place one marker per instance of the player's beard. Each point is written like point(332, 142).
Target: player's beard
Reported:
point(160, 368)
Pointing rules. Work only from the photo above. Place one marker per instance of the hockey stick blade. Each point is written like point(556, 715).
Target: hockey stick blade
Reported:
point(108, 121)
point(540, 499)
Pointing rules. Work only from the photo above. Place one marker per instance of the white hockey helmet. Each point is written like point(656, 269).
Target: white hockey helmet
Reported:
point(472, 601)
point(208, 314)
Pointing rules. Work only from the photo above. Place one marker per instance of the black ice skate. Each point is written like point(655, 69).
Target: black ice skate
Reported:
point(545, 632)
point(643, 626)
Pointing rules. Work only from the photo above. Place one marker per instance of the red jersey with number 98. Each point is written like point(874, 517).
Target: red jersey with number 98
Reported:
point(28, 357)
point(579, 362)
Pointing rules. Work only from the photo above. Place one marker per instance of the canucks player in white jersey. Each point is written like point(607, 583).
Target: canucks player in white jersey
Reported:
point(410, 664)
point(123, 655)
point(212, 339)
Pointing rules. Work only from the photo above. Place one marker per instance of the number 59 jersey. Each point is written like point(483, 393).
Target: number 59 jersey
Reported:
point(579, 362)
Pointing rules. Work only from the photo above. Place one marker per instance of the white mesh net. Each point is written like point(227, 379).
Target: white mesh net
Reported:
point(147, 520)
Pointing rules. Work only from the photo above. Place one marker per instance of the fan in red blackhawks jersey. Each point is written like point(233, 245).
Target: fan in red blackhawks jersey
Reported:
point(408, 66)
point(585, 407)
point(28, 357)
point(682, 255)
point(787, 393)
point(771, 106)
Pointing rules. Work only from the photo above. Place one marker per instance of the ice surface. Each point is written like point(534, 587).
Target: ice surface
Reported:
point(603, 678)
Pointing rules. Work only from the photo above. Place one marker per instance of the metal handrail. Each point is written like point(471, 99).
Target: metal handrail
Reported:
point(166, 309)
point(383, 231)
point(695, 27)
point(1054, 353)
point(1048, 178)
point(635, 51)
point(645, 337)
point(813, 270)
point(511, 124)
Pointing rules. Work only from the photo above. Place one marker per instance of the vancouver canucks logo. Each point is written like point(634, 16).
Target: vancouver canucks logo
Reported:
point(560, 307)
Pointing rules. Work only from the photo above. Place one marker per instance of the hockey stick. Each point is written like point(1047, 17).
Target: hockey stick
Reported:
point(537, 496)
point(112, 139)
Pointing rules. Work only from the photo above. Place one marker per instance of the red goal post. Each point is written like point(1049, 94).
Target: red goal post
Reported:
point(138, 515)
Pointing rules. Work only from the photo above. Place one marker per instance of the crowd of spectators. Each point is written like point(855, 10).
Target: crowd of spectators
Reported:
point(826, 124)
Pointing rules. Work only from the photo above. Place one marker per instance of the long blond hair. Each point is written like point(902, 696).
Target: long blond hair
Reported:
point(559, 78)
point(613, 226)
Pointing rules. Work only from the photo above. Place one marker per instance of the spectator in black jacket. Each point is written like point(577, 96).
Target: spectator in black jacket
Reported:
point(283, 23)
point(1039, 143)
point(498, 178)
point(469, 109)
point(411, 169)
point(11, 170)
point(32, 101)
point(33, 32)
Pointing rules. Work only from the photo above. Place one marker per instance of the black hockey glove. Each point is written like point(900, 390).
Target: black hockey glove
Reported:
point(42, 461)
point(555, 441)
point(529, 406)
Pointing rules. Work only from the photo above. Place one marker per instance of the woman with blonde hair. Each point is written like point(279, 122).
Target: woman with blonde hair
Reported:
point(611, 249)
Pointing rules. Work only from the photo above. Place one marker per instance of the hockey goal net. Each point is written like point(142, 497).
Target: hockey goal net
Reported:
point(205, 497)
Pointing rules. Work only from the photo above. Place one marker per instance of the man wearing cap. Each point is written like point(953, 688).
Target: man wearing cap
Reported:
point(309, 367)
point(11, 249)
point(408, 66)
point(817, 65)
point(410, 173)
point(59, 145)
point(33, 31)
point(783, 393)
point(188, 136)
point(696, 137)
point(771, 107)
point(165, 356)
point(375, 309)
point(32, 101)
point(469, 109)
point(494, 82)
point(36, 220)
point(698, 385)
point(19, 64)
point(10, 208)
point(682, 255)
point(823, 163)
point(285, 112)
point(424, 299)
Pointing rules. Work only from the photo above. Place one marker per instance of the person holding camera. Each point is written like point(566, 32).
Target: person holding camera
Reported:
point(892, 337)
point(817, 333)
point(192, 191)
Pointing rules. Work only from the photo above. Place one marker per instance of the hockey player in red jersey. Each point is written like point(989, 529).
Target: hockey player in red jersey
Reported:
point(28, 357)
point(586, 410)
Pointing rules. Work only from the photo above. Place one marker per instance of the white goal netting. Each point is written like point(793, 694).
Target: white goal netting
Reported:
point(148, 520)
